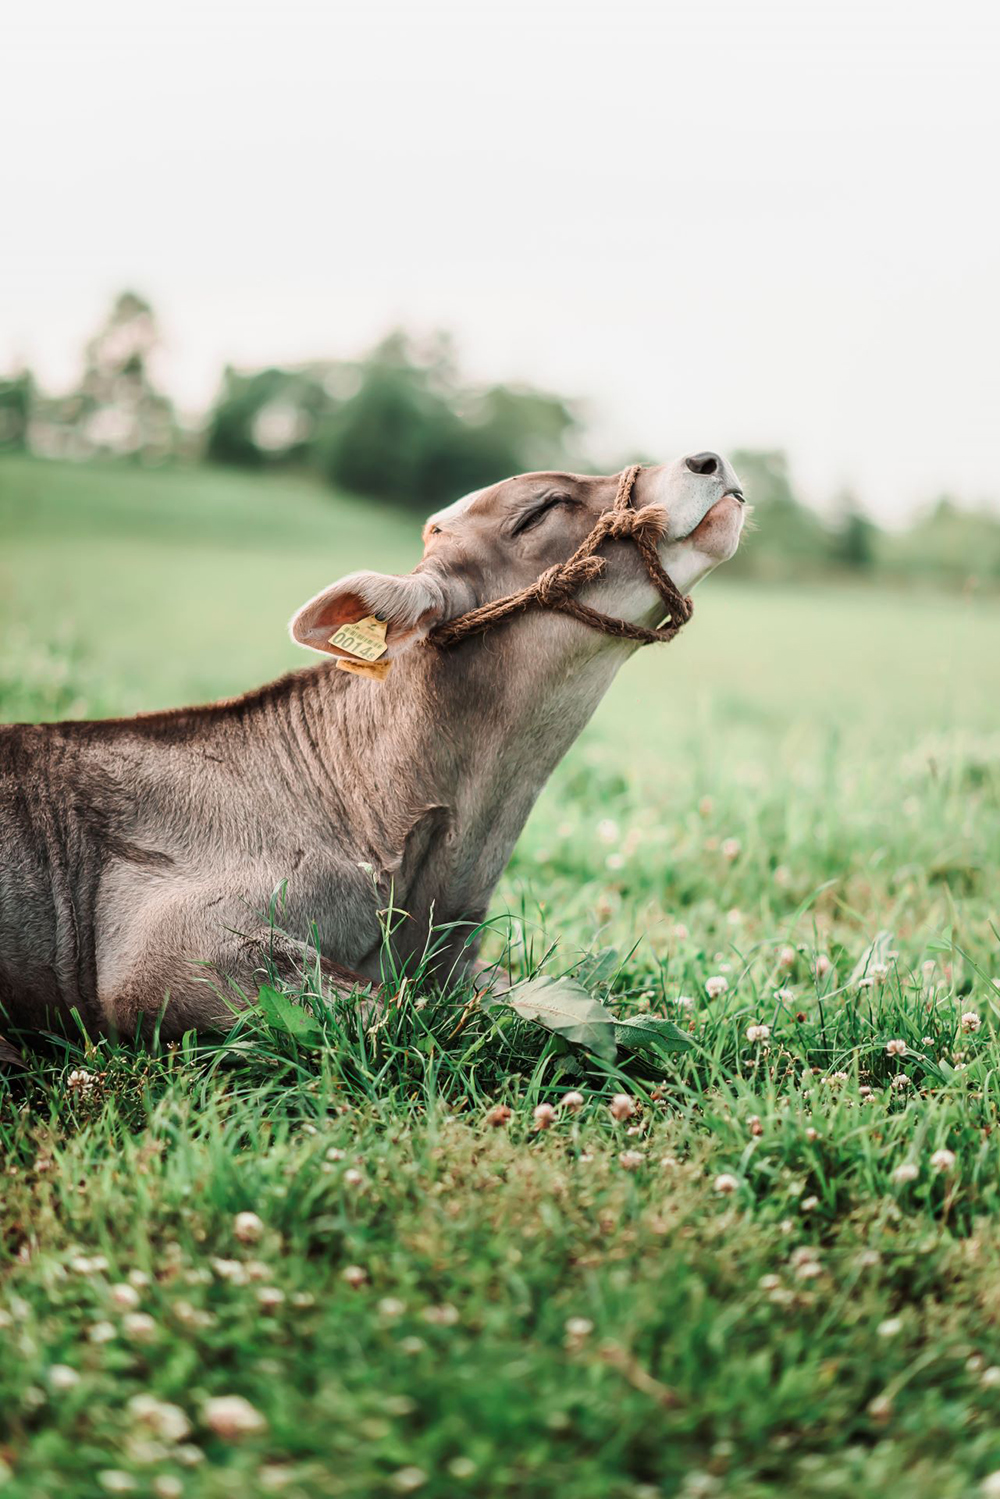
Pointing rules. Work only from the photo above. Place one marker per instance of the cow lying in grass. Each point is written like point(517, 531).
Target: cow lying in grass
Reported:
point(138, 857)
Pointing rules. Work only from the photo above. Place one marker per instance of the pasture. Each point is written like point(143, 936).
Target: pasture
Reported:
point(777, 1273)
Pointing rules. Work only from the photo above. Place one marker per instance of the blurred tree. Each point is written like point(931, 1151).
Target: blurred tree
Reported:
point(265, 416)
point(855, 536)
point(17, 394)
point(950, 543)
point(798, 543)
point(116, 408)
point(414, 434)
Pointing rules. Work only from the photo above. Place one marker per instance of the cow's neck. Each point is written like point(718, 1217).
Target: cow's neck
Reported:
point(458, 744)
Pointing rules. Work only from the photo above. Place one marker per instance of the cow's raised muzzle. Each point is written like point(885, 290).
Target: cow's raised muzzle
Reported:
point(557, 587)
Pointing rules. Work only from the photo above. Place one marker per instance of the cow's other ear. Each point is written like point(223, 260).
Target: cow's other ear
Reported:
point(409, 605)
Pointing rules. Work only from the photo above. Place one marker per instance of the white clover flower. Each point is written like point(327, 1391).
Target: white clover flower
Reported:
point(231, 1270)
point(102, 1332)
point(725, 1183)
point(758, 1032)
point(684, 1002)
point(906, 1172)
point(573, 1102)
point(786, 957)
point(608, 830)
point(62, 1378)
point(139, 1279)
point(408, 1479)
point(808, 1269)
point(167, 1486)
point(114, 1481)
point(812, 1134)
point(125, 1296)
point(943, 1160)
point(895, 1048)
point(544, 1116)
point(890, 1328)
point(352, 1177)
point(248, 1228)
point(139, 1326)
point(901, 1080)
point(83, 1082)
point(166, 1421)
point(232, 1417)
point(927, 968)
point(822, 966)
point(615, 861)
point(499, 1115)
point(879, 972)
point(391, 1307)
point(579, 1328)
point(731, 849)
point(355, 1275)
point(971, 1021)
point(444, 1315)
point(621, 1107)
point(809, 1203)
point(631, 1160)
point(716, 985)
point(269, 1297)
point(784, 996)
point(990, 1378)
point(681, 933)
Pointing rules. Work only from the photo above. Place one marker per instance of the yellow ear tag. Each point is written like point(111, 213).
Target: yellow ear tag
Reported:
point(364, 638)
point(376, 670)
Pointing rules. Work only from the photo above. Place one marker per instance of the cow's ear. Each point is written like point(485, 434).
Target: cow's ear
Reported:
point(409, 606)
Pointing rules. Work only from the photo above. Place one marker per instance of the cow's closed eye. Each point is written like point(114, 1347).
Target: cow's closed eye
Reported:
point(531, 517)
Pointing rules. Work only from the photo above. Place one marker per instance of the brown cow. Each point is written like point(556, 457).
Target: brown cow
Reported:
point(138, 857)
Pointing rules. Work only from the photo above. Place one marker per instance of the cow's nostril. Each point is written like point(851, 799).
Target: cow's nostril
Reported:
point(704, 463)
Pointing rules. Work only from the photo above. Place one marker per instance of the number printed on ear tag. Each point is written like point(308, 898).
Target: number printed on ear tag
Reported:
point(365, 638)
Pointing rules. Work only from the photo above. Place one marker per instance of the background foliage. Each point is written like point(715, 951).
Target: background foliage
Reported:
point(401, 425)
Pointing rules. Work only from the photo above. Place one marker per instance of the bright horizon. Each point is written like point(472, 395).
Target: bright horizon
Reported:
point(718, 228)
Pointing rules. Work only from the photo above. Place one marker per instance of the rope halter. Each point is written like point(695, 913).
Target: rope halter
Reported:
point(556, 588)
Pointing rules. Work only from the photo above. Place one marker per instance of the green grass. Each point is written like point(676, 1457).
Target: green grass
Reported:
point(825, 1327)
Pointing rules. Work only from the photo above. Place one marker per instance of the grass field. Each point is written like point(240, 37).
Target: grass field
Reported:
point(779, 1273)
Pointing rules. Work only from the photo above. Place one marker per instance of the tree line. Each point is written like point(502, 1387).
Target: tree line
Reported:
point(402, 425)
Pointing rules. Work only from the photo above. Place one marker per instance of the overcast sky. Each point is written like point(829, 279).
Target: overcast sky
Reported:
point(722, 223)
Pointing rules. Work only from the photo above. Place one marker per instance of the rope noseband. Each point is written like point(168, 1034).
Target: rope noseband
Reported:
point(557, 586)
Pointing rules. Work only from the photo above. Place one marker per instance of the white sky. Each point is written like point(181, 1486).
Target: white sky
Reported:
point(767, 223)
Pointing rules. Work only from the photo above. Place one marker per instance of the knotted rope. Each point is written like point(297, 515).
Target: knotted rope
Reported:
point(557, 586)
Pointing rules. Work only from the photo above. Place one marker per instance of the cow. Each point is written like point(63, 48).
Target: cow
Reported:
point(139, 857)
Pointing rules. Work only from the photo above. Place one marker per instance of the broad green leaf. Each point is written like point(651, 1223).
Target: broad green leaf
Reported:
point(651, 1032)
point(598, 967)
point(563, 1006)
point(288, 1017)
point(873, 955)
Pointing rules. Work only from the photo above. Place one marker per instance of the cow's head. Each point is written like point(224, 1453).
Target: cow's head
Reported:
point(500, 539)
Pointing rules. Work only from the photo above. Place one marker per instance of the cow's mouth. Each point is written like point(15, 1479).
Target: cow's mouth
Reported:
point(716, 513)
